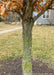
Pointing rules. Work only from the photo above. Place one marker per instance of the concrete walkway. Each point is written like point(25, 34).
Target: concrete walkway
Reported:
point(10, 30)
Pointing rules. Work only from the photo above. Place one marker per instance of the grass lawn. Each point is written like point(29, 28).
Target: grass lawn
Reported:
point(42, 48)
point(4, 26)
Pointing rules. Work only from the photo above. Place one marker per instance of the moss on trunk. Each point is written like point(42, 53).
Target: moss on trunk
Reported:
point(27, 49)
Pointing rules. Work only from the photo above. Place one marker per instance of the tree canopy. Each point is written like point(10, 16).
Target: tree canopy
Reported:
point(23, 6)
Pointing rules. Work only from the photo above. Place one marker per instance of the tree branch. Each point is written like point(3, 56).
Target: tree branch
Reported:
point(34, 2)
point(42, 12)
point(16, 12)
point(51, 8)
point(20, 15)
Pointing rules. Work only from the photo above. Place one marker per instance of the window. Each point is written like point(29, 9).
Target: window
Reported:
point(46, 15)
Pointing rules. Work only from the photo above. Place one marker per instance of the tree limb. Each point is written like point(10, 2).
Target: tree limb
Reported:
point(34, 2)
point(20, 15)
point(16, 12)
point(42, 12)
point(51, 8)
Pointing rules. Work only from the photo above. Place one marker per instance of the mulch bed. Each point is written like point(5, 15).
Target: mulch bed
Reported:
point(14, 67)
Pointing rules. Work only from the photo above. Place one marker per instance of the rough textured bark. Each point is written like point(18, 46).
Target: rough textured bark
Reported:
point(27, 48)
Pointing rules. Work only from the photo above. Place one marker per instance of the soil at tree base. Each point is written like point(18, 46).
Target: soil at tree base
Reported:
point(14, 67)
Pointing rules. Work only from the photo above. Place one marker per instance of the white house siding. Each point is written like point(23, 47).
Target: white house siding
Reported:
point(52, 16)
point(42, 21)
point(45, 20)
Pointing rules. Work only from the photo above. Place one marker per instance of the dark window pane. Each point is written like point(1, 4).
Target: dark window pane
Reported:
point(43, 16)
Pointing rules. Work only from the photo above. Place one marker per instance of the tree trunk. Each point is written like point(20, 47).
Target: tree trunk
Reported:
point(27, 49)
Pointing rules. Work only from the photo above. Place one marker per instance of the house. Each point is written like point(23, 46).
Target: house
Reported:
point(46, 18)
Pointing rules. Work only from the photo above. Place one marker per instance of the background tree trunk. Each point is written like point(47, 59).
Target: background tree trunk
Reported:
point(27, 48)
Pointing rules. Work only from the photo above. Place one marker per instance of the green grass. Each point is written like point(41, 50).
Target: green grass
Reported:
point(4, 26)
point(11, 44)
point(0, 65)
point(43, 42)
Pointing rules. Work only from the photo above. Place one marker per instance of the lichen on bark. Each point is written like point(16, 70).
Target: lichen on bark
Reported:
point(27, 49)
